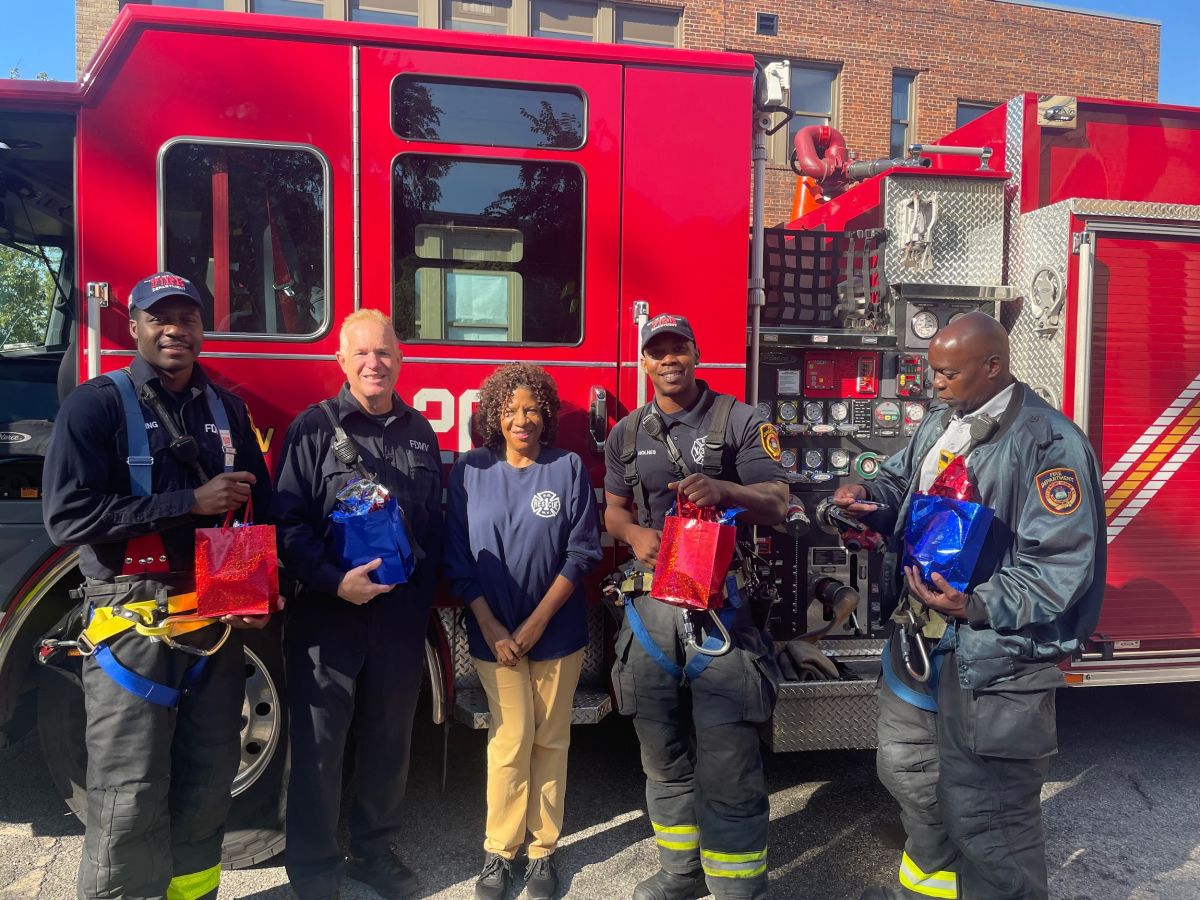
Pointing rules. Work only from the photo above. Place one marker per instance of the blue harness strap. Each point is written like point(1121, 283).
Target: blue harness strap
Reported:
point(927, 702)
point(700, 661)
point(139, 460)
point(139, 685)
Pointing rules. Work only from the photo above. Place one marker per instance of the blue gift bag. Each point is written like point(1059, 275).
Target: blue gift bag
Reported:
point(362, 536)
point(946, 536)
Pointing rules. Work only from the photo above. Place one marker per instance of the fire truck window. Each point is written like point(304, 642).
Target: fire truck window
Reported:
point(487, 251)
point(247, 225)
point(487, 113)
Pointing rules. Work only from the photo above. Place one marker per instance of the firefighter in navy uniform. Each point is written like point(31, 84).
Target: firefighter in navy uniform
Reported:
point(355, 649)
point(139, 459)
point(696, 716)
point(965, 738)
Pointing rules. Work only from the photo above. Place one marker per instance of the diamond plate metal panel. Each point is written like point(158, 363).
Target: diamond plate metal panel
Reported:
point(588, 708)
point(967, 237)
point(1136, 209)
point(1040, 240)
point(824, 715)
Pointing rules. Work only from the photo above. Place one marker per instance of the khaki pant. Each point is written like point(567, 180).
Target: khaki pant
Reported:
point(530, 732)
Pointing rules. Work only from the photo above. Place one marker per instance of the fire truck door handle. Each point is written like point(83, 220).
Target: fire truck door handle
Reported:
point(598, 417)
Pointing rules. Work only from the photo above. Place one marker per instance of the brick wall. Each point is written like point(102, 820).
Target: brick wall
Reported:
point(974, 50)
point(971, 50)
point(92, 20)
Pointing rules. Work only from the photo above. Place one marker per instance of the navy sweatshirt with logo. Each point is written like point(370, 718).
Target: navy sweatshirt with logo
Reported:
point(511, 532)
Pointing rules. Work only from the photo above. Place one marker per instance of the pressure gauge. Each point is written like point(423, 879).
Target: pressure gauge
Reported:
point(764, 409)
point(924, 324)
point(839, 458)
point(788, 412)
point(788, 459)
point(813, 459)
point(914, 412)
point(813, 412)
point(839, 412)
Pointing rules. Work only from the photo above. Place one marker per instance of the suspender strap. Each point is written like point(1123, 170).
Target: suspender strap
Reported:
point(221, 419)
point(629, 458)
point(141, 686)
point(139, 459)
point(714, 442)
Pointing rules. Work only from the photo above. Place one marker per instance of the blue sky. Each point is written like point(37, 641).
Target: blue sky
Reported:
point(39, 36)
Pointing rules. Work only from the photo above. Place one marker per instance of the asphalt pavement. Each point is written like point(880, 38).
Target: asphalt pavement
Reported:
point(1122, 809)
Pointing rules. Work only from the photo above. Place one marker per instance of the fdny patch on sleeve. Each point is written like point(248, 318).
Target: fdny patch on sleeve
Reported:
point(1058, 489)
point(770, 441)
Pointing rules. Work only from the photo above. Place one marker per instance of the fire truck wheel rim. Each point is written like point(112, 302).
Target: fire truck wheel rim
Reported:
point(261, 723)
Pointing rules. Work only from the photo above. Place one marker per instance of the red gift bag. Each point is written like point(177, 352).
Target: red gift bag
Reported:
point(237, 569)
point(693, 557)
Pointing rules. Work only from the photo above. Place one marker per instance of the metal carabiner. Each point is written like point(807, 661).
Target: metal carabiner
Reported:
point(196, 651)
point(689, 634)
point(905, 650)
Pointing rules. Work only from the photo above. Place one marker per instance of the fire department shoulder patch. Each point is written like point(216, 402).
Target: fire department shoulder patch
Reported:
point(1058, 489)
point(770, 441)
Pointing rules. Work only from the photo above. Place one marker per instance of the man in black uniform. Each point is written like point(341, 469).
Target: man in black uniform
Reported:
point(163, 721)
point(354, 648)
point(696, 716)
point(966, 750)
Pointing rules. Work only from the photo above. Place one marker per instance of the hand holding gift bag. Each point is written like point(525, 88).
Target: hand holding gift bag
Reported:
point(694, 556)
point(369, 525)
point(237, 569)
point(946, 528)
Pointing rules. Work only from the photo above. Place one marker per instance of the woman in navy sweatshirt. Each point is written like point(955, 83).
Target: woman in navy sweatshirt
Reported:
point(523, 533)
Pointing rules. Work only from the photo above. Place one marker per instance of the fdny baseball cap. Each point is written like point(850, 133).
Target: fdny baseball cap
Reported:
point(666, 324)
point(150, 290)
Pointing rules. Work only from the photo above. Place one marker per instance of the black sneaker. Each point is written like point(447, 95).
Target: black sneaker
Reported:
point(495, 878)
point(541, 879)
point(385, 873)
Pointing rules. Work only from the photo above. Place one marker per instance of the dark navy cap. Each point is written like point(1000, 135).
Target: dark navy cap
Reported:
point(150, 290)
point(667, 324)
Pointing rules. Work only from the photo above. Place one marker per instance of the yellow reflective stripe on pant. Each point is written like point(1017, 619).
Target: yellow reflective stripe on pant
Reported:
point(195, 885)
point(734, 865)
point(677, 837)
point(929, 884)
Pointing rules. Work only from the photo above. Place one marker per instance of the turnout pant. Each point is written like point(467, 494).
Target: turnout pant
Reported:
point(350, 670)
point(528, 738)
point(158, 779)
point(705, 790)
point(970, 789)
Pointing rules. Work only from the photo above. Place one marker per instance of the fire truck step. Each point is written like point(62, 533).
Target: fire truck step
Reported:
point(589, 707)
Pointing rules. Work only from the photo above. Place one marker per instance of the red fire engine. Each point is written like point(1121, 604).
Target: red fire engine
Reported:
point(530, 199)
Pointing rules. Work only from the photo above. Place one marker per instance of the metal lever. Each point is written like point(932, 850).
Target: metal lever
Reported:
point(598, 417)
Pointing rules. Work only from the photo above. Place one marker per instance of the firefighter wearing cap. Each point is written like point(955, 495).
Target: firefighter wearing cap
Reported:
point(965, 751)
point(696, 717)
point(163, 718)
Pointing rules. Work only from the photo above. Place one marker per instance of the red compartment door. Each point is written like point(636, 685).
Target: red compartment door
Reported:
point(1145, 424)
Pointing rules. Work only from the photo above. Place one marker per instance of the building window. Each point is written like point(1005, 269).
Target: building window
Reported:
point(568, 20)
point(487, 250)
point(489, 16)
point(646, 25)
point(904, 95)
point(766, 24)
point(488, 114)
point(384, 12)
point(969, 112)
point(191, 4)
point(812, 96)
point(248, 226)
point(311, 9)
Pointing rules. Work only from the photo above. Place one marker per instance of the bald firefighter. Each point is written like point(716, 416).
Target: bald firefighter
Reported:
point(696, 716)
point(965, 739)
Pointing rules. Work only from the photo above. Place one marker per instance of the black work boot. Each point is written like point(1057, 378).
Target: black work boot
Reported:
point(385, 873)
point(664, 885)
point(541, 879)
point(495, 878)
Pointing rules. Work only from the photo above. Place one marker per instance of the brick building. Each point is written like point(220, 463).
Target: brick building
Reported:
point(885, 72)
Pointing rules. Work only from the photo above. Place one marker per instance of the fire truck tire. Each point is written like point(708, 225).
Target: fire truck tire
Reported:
point(254, 829)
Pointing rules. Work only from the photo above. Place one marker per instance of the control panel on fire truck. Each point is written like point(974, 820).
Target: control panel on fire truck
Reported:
point(846, 386)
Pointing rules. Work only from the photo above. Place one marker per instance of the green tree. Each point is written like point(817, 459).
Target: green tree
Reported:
point(26, 295)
